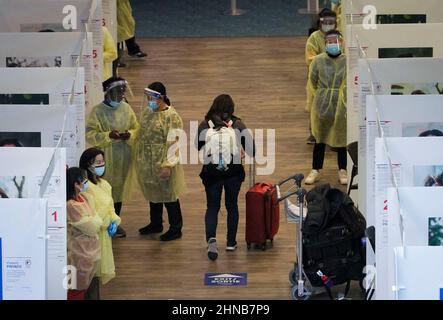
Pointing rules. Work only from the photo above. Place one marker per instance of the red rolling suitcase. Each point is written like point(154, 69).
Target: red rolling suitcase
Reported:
point(262, 214)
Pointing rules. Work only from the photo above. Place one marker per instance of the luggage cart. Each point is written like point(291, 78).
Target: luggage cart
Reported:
point(301, 287)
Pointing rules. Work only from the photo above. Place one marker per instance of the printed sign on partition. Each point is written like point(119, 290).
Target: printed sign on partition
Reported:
point(49, 49)
point(59, 16)
point(23, 249)
point(28, 174)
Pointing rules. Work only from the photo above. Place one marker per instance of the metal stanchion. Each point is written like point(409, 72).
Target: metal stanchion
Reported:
point(234, 11)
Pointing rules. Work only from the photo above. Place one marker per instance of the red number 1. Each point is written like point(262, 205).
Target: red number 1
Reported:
point(55, 216)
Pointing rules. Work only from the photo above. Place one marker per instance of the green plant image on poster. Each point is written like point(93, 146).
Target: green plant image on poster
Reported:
point(385, 53)
point(435, 231)
point(400, 18)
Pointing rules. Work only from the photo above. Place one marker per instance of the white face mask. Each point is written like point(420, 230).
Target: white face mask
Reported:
point(327, 27)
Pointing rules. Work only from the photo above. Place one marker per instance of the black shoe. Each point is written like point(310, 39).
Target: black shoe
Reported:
point(138, 55)
point(150, 229)
point(121, 233)
point(171, 235)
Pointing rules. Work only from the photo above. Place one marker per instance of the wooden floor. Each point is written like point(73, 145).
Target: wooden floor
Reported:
point(266, 78)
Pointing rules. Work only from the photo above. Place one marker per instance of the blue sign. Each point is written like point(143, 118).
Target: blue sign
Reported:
point(1, 271)
point(226, 279)
point(441, 293)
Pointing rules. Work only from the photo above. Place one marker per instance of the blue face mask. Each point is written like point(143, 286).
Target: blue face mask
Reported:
point(336, 2)
point(333, 49)
point(85, 187)
point(114, 104)
point(153, 105)
point(100, 170)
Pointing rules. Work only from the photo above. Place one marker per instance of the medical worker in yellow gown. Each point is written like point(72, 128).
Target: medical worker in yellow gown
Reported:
point(327, 84)
point(159, 171)
point(111, 127)
point(100, 193)
point(126, 29)
point(83, 225)
point(315, 46)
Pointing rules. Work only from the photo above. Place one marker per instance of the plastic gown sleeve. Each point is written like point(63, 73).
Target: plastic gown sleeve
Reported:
point(95, 134)
point(314, 46)
point(174, 128)
point(311, 87)
point(80, 216)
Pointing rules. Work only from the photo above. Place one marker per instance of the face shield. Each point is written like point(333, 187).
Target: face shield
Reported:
point(152, 99)
point(116, 91)
point(333, 44)
point(328, 23)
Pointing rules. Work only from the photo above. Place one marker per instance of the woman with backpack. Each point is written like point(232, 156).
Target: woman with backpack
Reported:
point(223, 168)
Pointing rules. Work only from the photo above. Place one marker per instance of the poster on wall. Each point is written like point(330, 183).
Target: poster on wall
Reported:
point(21, 178)
point(25, 86)
point(46, 50)
point(391, 77)
point(59, 16)
point(412, 159)
point(394, 11)
point(422, 223)
point(42, 126)
point(387, 41)
point(23, 249)
point(400, 116)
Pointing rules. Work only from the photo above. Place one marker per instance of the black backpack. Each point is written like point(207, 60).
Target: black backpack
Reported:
point(332, 234)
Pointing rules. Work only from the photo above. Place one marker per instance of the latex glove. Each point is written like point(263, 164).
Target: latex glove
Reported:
point(165, 173)
point(114, 134)
point(112, 228)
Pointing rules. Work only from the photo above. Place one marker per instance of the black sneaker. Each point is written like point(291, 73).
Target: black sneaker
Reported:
point(212, 249)
point(171, 235)
point(138, 55)
point(121, 233)
point(231, 246)
point(150, 229)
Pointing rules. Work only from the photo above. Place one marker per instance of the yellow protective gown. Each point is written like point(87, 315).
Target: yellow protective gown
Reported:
point(83, 241)
point(118, 154)
point(327, 82)
point(340, 17)
point(125, 21)
point(314, 46)
point(151, 155)
point(109, 53)
point(103, 204)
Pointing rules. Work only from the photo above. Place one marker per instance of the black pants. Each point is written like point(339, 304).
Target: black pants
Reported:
point(118, 207)
point(319, 157)
point(93, 292)
point(174, 214)
point(132, 46)
point(213, 197)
